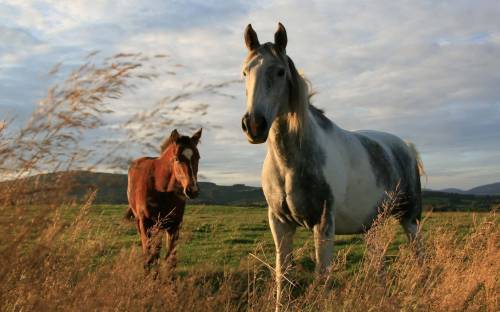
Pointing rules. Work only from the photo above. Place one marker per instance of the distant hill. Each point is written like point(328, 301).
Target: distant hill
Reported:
point(453, 191)
point(488, 189)
point(66, 186)
point(492, 189)
point(112, 189)
point(237, 194)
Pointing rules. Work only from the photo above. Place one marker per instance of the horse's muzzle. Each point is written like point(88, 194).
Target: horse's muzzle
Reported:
point(192, 192)
point(256, 129)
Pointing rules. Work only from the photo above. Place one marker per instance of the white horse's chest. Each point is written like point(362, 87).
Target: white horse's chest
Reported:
point(297, 195)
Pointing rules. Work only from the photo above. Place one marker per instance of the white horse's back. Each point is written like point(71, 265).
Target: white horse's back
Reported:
point(361, 168)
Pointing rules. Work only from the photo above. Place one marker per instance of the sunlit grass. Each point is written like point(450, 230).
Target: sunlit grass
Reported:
point(60, 257)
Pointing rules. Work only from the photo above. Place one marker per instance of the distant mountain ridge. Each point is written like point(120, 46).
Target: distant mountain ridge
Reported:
point(492, 189)
point(453, 190)
point(112, 189)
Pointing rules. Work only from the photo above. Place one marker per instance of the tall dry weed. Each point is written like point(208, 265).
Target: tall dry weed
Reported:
point(68, 265)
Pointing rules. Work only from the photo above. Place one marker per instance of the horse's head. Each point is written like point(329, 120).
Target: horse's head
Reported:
point(270, 79)
point(185, 157)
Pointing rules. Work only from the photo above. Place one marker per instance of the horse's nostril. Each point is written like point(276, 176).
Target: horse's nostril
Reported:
point(261, 123)
point(192, 192)
point(244, 124)
point(254, 127)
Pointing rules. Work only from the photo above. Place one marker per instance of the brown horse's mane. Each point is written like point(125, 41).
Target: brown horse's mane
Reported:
point(183, 140)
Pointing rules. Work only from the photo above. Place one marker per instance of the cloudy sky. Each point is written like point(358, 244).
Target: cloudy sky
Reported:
point(428, 71)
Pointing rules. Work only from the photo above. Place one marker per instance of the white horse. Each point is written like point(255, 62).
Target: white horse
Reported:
point(317, 174)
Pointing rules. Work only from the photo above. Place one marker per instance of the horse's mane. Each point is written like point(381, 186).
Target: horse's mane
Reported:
point(300, 95)
point(183, 140)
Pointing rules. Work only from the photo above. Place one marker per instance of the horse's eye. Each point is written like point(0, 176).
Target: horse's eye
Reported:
point(281, 72)
point(244, 74)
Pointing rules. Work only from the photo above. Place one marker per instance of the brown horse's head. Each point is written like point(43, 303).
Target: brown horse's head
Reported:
point(184, 157)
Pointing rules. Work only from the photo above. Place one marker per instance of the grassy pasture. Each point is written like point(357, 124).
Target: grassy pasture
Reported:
point(221, 237)
point(87, 257)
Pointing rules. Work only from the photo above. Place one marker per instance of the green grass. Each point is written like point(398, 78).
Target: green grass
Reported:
point(218, 238)
point(437, 201)
point(53, 255)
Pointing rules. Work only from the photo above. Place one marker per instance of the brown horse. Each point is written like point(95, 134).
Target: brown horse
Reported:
point(157, 193)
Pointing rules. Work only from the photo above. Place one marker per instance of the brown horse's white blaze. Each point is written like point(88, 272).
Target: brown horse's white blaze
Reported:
point(186, 173)
point(316, 174)
point(158, 189)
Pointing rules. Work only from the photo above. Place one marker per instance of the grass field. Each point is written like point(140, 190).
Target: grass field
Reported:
point(87, 257)
point(220, 237)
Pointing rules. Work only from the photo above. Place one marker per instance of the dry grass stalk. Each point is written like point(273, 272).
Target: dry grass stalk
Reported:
point(56, 136)
point(62, 268)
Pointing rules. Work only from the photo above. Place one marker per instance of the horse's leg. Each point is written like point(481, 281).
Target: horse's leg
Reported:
point(145, 230)
point(323, 244)
point(149, 246)
point(324, 234)
point(155, 240)
point(171, 238)
point(144, 236)
point(412, 230)
point(172, 233)
point(410, 220)
point(283, 240)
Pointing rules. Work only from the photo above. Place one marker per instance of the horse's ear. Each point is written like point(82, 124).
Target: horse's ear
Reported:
point(251, 40)
point(280, 39)
point(174, 135)
point(196, 137)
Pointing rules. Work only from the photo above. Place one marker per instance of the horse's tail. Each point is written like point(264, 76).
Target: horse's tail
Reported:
point(416, 155)
point(129, 214)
